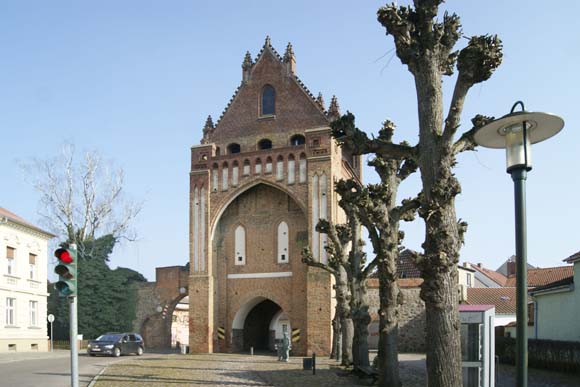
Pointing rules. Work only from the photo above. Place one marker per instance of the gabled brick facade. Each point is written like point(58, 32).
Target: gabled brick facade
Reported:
point(254, 207)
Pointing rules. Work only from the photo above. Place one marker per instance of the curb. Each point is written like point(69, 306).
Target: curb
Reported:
point(96, 377)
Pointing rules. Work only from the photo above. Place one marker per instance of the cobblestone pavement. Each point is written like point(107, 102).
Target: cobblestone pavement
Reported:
point(264, 371)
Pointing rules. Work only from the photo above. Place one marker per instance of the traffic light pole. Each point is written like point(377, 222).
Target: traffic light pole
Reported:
point(74, 349)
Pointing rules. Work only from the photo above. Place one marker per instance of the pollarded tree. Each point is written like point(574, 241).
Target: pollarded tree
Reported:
point(379, 213)
point(337, 247)
point(426, 46)
point(357, 272)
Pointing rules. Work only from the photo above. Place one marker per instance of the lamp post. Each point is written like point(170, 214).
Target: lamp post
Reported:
point(516, 132)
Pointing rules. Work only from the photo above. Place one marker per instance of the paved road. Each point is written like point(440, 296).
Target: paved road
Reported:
point(48, 369)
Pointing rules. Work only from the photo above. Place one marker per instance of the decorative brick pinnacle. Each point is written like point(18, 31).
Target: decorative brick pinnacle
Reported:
point(207, 130)
point(248, 62)
point(289, 54)
point(333, 109)
point(320, 100)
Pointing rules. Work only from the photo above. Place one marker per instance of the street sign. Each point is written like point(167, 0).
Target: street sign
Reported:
point(50, 318)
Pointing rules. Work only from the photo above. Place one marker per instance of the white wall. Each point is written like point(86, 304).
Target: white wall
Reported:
point(22, 288)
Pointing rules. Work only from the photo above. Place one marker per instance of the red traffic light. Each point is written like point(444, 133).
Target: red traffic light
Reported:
point(63, 255)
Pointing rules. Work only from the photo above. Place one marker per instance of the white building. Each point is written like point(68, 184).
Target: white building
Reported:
point(23, 281)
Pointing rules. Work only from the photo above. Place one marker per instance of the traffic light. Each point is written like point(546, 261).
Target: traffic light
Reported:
point(67, 272)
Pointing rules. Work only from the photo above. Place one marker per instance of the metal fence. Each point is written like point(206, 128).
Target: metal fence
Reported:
point(65, 344)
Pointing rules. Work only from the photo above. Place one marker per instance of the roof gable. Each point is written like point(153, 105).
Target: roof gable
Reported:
point(296, 107)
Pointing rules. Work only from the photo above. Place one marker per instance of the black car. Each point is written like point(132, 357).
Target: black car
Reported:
point(116, 344)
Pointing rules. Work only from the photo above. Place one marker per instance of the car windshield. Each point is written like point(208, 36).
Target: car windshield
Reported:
point(108, 337)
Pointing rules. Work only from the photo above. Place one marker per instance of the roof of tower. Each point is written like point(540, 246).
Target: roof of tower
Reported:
point(269, 58)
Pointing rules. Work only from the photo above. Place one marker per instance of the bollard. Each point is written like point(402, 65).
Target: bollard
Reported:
point(313, 363)
point(251, 351)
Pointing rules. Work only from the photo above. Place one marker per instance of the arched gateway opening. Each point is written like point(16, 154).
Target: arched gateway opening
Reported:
point(260, 324)
point(260, 279)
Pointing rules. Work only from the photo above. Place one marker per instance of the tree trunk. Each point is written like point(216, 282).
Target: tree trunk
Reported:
point(442, 241)
point(346, 325)
point(388, 325)
point(347, 328)
point(336, 335)
point(361, 319)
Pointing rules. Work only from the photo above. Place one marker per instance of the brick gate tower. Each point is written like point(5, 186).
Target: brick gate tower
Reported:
point(261, 179)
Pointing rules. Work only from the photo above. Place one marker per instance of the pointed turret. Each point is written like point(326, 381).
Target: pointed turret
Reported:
point(320, 100)
point(290, 59)
point(207, 130)
point(247, 67)
point(333, 109)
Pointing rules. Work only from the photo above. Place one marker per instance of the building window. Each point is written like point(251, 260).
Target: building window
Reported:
point(240, 245)
point(32, 266)
point(265, 144)
point(11, 311)
point(10, 253)
point(268, 101)
point(283, 242)
point(468, 280)
point(233, 148)
point(297, 140)
point(33, 307)
point(269, 165)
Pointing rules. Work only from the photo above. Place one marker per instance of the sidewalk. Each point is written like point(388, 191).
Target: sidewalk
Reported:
point(240, 370)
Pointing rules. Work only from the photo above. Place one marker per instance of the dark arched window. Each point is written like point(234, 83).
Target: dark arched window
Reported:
point(265, 144)
point(233, 148)
point(268, 101)
point(297, 139)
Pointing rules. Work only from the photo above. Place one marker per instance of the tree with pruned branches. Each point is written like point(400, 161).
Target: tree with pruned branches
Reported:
point(426, 45)
point(377, 208)
point(339, 239)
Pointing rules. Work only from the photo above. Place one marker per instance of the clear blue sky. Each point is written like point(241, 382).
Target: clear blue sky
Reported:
point(136, 80)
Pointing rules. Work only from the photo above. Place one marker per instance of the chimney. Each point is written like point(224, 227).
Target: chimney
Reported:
point(511, 268)
point(479, 265)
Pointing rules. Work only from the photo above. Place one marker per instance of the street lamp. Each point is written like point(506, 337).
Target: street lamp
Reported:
point(516, 132)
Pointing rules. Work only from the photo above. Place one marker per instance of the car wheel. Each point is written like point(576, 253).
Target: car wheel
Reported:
point(117, 352)
point(139, 351)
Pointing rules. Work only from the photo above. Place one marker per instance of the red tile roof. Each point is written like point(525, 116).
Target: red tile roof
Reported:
point(496, 277)
point(406, 267)
point(17, 219)
point(541, 277)
point(504, 299)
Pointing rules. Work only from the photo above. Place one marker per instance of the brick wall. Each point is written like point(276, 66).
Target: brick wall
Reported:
point(411, 320)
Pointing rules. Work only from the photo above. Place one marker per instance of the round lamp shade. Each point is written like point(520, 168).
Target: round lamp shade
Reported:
point(540, 126)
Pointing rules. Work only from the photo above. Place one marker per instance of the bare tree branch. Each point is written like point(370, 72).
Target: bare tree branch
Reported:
point(81, 200)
